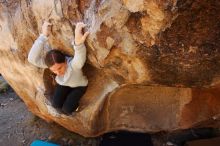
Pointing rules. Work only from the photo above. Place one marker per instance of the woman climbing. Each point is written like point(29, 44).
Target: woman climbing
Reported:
point(71, 83)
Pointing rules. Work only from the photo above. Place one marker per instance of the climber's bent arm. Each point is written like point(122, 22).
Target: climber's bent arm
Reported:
point(35, 55)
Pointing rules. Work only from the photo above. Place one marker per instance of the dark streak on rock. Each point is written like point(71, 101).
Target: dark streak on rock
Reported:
point(187, 53)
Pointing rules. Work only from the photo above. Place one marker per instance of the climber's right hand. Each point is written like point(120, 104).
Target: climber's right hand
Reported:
point(80, 37)
point(46, 28)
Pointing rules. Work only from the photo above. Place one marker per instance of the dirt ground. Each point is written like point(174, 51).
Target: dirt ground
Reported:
point(19, 127)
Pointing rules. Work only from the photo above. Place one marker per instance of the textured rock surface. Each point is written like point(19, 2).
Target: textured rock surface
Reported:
point(148, 61)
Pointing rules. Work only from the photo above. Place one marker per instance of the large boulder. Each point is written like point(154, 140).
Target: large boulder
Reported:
point(152, 65)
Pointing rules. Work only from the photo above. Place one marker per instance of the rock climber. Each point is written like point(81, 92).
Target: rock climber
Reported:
point(71, 82)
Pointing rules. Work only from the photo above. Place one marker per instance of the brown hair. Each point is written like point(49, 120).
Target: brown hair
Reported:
point(54, 56)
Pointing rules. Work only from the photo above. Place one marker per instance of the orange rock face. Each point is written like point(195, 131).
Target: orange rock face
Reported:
point(152, 65)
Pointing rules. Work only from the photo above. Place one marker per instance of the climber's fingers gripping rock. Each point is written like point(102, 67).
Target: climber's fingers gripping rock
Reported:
point(46, 28)
point(80, 37)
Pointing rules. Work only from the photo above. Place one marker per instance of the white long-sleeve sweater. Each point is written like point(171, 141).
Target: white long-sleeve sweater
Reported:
point(73, 76)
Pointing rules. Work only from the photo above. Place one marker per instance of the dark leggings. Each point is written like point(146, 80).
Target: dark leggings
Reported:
point(67, 98)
